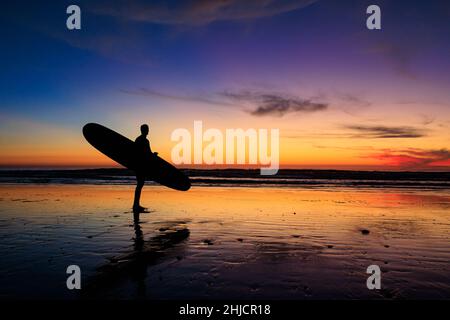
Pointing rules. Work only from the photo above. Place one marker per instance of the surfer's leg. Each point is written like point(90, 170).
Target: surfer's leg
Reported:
point(137, 192)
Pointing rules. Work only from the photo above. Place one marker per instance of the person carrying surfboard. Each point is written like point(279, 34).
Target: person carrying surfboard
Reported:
point(143, 154)
point(138, 157)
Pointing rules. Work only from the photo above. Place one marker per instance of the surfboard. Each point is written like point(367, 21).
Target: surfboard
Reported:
point(122, 150)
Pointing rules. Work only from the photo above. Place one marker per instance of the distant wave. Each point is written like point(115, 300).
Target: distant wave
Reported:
point(240, 177)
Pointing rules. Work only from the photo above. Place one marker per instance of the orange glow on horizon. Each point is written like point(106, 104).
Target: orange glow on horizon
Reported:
point(42, 145)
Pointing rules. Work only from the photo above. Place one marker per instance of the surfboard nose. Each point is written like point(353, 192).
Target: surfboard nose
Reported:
point(88, 127)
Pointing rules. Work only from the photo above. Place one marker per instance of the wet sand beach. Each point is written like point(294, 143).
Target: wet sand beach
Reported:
point(224, 242)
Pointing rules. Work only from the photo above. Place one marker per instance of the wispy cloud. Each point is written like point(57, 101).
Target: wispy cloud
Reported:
point(254, 103)
point(196, 12)
point(354, 100)
point(384, 132)
point(398, 55)
point(267, 104)
point(184, 98)
point(413, 157)
point(427, 119)
point(351, 103)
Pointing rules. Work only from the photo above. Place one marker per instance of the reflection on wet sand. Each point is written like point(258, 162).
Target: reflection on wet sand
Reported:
point(134, 264)
point(253, 243)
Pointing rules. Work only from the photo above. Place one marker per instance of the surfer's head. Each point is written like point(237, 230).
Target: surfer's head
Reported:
point(144, 129)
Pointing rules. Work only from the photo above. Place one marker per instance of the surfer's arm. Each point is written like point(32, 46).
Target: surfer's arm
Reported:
point(149, 149)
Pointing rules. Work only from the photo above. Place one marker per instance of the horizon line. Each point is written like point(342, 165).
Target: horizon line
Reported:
point(362, 169)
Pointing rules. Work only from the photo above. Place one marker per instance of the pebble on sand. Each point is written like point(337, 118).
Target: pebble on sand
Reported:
point(208, 242)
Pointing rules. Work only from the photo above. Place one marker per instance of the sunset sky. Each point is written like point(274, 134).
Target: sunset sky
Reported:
point(342, 96)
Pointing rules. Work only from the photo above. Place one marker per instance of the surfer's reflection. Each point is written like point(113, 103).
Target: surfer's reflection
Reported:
point(135, 262)
point(143, 153)
point(139, 236)
point(140, 269)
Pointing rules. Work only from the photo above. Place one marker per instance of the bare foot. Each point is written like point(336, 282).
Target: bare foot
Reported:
point(139, 209)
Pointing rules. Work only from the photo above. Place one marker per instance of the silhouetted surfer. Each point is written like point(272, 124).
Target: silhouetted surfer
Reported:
point(143, 154)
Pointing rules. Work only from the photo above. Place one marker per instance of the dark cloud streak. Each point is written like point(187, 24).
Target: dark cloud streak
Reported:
point(256, 104)
point(275, 104)
point(384, 132)
point(196, 12)
point(194, 98)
